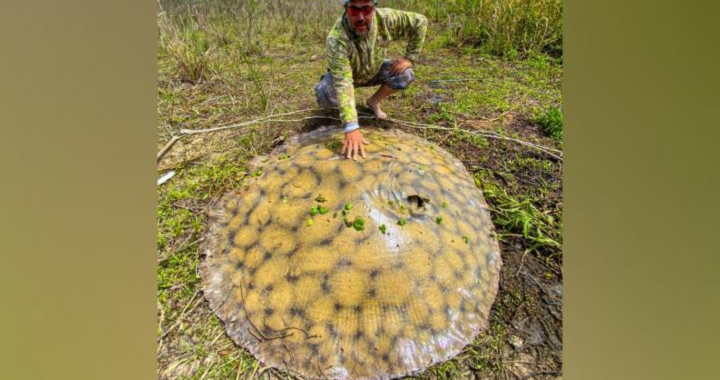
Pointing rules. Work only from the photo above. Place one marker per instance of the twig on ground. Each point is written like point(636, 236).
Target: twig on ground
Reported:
point(243, 124)
point(212, 363)
point(492, 135)
point(257, 364)
point(438, 81)
point(182, 314)
point(555, 153)
point(167, 147)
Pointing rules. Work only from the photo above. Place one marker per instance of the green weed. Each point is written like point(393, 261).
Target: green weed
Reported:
point(551, 122)
point(541, 229)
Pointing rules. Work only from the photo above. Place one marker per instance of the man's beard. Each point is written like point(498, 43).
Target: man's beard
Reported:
point(366, 31)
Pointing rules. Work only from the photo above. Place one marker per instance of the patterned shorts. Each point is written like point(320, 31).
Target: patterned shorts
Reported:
point(327, 97)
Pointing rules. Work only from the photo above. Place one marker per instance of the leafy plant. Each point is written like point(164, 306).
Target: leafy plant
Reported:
point(514, 216)
point(551, 122)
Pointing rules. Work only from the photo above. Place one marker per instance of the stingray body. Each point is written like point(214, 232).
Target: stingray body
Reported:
point(369, 269)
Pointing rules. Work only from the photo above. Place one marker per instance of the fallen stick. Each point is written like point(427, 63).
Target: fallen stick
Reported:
point(555, 153)
point(167, 147)
point(546, 150)
point(182, 314)
point(243, 124)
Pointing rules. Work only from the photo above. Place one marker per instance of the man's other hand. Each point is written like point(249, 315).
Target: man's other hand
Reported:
point(399, 65)
point(354, 144)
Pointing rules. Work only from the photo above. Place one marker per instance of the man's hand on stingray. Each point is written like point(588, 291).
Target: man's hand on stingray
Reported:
point(354, 144)
point(399, 65)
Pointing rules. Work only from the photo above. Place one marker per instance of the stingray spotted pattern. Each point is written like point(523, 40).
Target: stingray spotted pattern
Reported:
point(338, 269)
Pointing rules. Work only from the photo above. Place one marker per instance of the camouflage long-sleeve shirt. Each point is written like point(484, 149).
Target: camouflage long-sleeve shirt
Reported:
point(355, 59)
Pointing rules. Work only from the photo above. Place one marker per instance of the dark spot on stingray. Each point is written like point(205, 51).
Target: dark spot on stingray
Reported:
point(267, 256)
point(332, 330)
point(337, 306)
point(292, 278)
point(231, 237)
point(292, 252)
point(359, 334)
point(358, 309)
point(239, 265)
point(372, 293)
point(325, 284)
point(326, 241)
point(374, 273)
point(344, 263)
point(268, 311)
point(297, 312)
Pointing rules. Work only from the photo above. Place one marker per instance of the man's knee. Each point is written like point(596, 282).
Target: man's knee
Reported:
point(403, 80)
point(325, 94)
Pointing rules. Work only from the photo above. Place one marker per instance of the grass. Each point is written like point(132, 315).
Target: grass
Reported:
point(223, 62)
point(551, 122)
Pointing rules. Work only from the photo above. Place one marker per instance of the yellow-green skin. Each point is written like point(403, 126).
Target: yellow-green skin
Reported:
point(324, 300)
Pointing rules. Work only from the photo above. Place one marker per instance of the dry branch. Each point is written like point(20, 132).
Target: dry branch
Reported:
point(555, 153)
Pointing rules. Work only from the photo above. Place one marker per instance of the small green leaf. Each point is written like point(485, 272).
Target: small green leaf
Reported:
point(438, 220)
point(401, 222)
point(383, 229)
point(309, 222)
point(348, 206)
point(313, 211)
point(323, 210)
point(320, 199)
point(359, 223)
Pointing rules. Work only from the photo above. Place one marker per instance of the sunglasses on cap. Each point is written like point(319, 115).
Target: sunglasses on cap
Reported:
point(356, 11)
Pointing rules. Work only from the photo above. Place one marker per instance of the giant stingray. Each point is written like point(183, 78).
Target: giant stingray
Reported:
point(371, 269)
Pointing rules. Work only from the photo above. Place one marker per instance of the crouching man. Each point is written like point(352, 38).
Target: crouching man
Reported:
point(356, 48)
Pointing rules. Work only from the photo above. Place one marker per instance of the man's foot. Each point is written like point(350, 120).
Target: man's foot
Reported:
point(375, 107)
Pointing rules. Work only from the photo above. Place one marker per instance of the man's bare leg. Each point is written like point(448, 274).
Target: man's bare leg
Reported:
point(374, 101)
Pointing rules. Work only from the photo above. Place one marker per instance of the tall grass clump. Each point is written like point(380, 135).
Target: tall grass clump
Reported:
point(186, 44)
point(511, 28)
point(198, 37)
point(550, 121)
